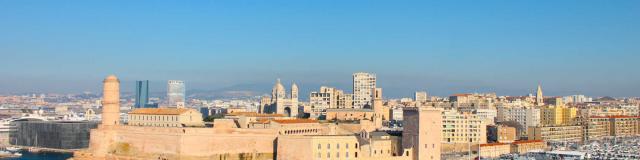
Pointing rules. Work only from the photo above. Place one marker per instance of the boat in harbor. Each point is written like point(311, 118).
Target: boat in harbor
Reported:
point(7, 154)
point(13, 149)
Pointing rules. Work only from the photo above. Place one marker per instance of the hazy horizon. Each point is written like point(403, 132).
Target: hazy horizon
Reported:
point(159, 87)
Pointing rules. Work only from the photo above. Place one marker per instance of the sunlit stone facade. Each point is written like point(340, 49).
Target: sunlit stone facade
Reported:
point(165, 117)
point(280, 102)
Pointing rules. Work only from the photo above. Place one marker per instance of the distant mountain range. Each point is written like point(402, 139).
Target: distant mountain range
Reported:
point(235, 91)
point(252, 90)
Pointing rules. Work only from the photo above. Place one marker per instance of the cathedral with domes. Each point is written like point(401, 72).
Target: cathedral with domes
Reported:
point(280, 102)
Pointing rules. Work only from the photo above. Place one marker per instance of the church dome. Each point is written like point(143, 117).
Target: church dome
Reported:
point(278, 86)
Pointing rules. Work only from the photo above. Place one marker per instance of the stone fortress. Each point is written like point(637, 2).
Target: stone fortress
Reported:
point(260, 136)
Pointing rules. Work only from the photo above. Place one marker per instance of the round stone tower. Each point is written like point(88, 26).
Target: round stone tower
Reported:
point(111, 101)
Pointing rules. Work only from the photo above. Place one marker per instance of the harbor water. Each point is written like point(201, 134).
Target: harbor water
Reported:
point(41, 156)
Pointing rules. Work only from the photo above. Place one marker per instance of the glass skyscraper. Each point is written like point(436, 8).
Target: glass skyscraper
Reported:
point(142, 94)
point(176, 93)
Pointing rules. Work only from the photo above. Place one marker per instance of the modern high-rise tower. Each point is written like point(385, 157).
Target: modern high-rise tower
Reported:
point(111, 101)
point(363, 86)
point(176, 93)
point(142, 94)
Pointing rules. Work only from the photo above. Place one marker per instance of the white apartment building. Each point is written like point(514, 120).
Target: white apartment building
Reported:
point(489, 115)
point(420, 97)
point(320, 101)
point(463, 128)
point(524, 116)
point(576, 99)
point(632, 110)
point(396, 114)
point(363, 86)
point(327, 97)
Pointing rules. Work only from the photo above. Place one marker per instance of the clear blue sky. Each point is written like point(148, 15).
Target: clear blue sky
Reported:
point(581, 46)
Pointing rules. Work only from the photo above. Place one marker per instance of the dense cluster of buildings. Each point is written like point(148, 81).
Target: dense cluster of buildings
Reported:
point(336, 124)
point(329, 98)
point(176, 133)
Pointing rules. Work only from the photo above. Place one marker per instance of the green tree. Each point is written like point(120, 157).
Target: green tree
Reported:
point(212, 117)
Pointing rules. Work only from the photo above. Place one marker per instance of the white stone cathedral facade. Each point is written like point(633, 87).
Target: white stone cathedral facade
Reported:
point(280, 102)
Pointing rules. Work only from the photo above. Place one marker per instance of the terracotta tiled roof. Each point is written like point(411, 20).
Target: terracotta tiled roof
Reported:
point(291, 121)
point(254, 114)
point(621, 116)
point(527, 141)
point(615, 116)
point(492, 144)
point(348, 110)
point(159, 111)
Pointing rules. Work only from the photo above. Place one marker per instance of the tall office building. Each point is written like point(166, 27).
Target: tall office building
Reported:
point(422, 132)
point(176, 93)
point(142, 94)
point(363, 87)
point(420, 97)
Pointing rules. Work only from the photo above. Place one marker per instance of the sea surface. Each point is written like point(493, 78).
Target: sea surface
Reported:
point(41, 156)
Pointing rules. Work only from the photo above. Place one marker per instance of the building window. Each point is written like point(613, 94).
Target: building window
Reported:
point(328, 155)
point(338, 146)
point(328, 146)
point(346, 154)
point(319, 146)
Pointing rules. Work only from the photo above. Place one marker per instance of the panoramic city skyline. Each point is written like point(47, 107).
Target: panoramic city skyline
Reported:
point(441, 47)
point(321, 80)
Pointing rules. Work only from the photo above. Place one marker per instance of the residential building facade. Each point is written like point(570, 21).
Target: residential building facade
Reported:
point(363, 88)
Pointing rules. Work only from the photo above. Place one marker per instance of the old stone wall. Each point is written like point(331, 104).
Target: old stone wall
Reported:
point(122, 142)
